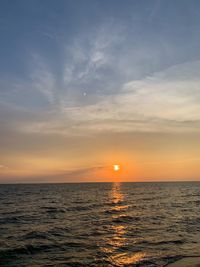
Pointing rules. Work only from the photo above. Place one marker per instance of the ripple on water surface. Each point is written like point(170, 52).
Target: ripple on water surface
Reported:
point(128, 224)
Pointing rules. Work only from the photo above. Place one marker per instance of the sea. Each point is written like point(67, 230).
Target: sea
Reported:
point(99, 224)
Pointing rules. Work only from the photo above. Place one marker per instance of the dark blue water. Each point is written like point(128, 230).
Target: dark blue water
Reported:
point(105, 224)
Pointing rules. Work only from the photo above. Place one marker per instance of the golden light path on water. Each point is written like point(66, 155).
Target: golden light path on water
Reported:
point(114, 245)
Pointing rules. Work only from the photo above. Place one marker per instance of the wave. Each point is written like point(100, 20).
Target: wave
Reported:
point(24, 250)
point(71, 229)
point(125, 219)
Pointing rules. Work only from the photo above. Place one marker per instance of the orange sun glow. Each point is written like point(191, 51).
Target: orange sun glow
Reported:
point(116, 167)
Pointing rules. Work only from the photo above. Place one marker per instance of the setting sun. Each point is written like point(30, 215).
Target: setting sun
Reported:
point(116, 167)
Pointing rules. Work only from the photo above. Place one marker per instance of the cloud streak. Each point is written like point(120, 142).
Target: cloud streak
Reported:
point(165, 101)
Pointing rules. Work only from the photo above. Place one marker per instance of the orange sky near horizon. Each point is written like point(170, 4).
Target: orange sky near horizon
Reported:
point(142, 157)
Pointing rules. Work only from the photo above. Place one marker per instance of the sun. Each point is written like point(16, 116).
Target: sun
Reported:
point(116, 167)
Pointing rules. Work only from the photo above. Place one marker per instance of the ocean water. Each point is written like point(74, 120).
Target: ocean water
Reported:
point(99, 224)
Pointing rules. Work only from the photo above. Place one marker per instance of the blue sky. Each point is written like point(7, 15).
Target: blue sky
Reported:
point(73, 69)
point(101, 44)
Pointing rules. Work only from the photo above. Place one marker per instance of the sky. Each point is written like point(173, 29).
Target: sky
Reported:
point(88, 84)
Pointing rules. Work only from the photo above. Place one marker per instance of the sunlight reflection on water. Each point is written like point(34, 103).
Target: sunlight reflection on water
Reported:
point(115, 195)
point(115, 244)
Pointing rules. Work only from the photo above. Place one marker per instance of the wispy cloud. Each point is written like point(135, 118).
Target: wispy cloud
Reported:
point(103, 86)
point(165, 101)
point(42, 79)
point(80, 174)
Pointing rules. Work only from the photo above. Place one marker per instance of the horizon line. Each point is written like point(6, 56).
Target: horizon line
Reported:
point(111, 182)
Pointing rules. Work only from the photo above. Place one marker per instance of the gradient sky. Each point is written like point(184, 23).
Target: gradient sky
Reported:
point(88, 84)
